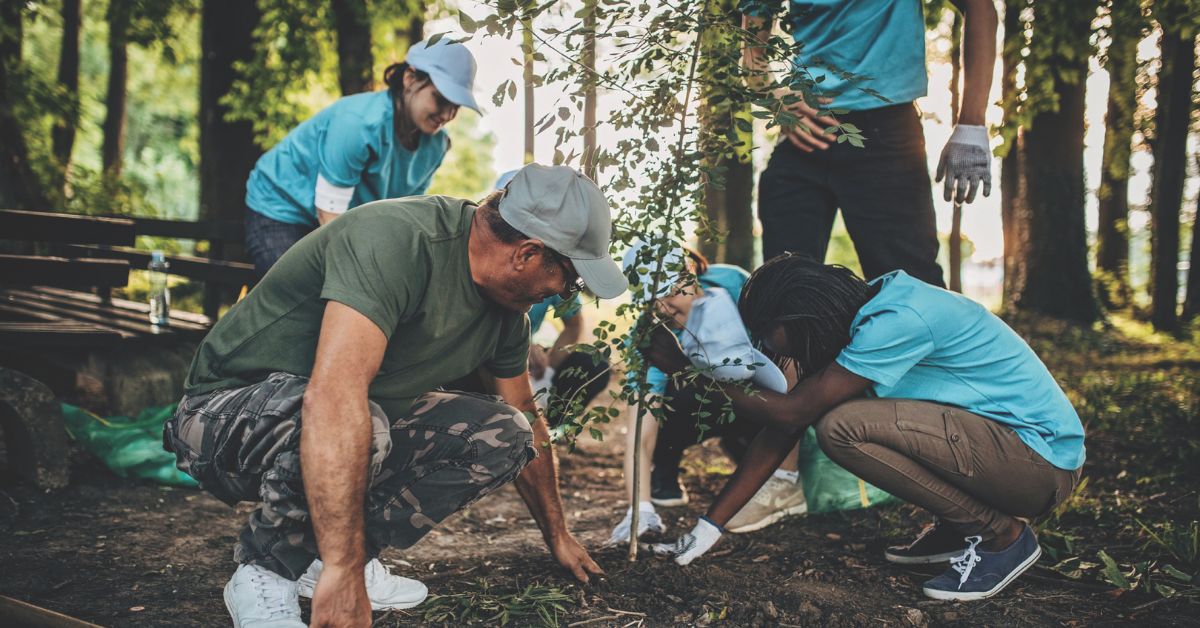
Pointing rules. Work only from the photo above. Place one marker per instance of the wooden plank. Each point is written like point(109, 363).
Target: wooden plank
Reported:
point(200, 268)
point(23, 225)
point(32, 270)
point(230, 231)
point(18, 613)
point(136, 309)
point(106, 320)
point(58, 334)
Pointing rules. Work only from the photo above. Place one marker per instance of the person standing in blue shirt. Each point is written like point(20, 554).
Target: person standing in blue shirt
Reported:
point(362, 148)
point(868, 58)
point(917, 390)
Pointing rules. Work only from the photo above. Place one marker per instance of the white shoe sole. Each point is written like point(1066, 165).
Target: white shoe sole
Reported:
point(670, 503)
point(307, 586)
point(769, 519)
point(938, 594)
point(920, 560)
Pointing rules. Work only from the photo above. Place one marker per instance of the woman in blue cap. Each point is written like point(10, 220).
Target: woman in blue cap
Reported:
point(362, 148)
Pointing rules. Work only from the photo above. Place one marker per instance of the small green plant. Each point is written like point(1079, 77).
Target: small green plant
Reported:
point(533, 605)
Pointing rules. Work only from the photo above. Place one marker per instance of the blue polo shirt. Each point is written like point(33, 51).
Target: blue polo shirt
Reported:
point(726, 276)
point(562, 309)
point(880, 42)
point(916, 341)
point(351, 143)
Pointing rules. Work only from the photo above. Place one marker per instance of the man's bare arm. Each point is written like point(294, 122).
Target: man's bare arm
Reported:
point(335, 445)
point(538, 483)
point(979, 54)
point(571, 333)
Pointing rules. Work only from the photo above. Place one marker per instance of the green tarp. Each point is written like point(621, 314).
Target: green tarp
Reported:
point(828, 487)
point(130, 446)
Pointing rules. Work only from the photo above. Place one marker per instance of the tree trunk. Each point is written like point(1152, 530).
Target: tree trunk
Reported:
point(19, 186)
point(1051, 265)
point(1112, 233)
point(589, 91)
point(355, 62)
point(527, 79)
point(63, 133)
point(1191, 305)
point(113, 148)
point(1172, 115)
point(1010, 165)
point(955, 240)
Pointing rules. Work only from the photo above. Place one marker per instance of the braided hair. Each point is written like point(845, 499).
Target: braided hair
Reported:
point(815, 304)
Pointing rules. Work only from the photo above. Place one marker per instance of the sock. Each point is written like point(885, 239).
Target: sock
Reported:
point(790, 476)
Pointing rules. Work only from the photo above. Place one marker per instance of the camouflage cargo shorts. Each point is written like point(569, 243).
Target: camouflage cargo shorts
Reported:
point(446, 452)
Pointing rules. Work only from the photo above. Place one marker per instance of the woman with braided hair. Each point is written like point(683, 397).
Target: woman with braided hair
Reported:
point(917, 390)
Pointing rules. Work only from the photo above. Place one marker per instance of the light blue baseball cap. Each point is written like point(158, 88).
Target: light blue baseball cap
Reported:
point(451, 67)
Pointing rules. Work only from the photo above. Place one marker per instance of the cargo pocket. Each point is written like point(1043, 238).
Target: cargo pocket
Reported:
point(935, 437)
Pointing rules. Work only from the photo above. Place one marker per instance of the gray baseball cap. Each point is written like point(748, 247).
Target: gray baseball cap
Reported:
point(450, 66)
point(564, 209)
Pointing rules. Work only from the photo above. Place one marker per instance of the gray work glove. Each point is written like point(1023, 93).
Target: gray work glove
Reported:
point(966, 162)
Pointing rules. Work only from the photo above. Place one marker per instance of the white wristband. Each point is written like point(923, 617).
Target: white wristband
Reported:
point(969, 134)
point(332, 198)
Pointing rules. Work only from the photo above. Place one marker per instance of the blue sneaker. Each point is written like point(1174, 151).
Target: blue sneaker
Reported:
point(975, 575)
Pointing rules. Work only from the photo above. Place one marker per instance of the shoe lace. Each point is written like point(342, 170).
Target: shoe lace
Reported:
point(273, 597)
point(965, 563)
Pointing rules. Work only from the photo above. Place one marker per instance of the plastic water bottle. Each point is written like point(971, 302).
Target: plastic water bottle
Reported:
point(160, 295)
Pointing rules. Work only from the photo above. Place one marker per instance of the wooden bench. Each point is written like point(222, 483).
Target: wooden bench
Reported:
point(56, 308)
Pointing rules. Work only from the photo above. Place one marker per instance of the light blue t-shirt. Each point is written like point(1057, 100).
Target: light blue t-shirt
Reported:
point(352, 143)
point(916, 341)
point(880, 42)
point(562, 309)
point(726, 276)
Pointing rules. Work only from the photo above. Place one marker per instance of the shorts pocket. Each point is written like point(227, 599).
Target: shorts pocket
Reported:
point(935, 437)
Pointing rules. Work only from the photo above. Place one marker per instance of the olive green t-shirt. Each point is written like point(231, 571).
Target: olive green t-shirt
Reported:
point(401, 263)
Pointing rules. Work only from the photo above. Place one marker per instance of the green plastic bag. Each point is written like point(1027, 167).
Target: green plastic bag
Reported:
point(130, 447)
point(829, 487)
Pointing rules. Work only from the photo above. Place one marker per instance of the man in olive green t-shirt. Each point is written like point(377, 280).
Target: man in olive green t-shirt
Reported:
point(349, 336)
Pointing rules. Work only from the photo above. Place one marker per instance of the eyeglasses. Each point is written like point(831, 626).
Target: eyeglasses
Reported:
point(571, 288)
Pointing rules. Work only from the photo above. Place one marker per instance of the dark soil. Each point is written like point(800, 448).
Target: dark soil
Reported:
point(120, 552)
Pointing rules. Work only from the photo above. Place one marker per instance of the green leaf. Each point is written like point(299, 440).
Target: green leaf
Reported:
point(855, 141)
point(1170, 570)
point(469, 25)
point(1112, 572)
point(850, 127)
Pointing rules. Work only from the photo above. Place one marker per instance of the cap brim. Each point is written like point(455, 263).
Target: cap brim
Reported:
point(766, 374)
point(602, 276)
point(454, 92)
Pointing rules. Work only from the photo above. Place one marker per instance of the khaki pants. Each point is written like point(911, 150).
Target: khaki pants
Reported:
point(972, 472)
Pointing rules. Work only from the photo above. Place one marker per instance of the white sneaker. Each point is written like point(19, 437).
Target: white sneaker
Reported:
point(648, 521)
point(259, 598)
point(777, 499)
point(386, 590)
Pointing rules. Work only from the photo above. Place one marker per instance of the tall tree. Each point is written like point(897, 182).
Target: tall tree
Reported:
point(19, 186)
point(729, 186)
point(63, 133)
point(1051, 263)
point(1125, 30)
point(227, 148)
point(955, 240)
point(588, 61)
point(355, 61)
point(1010, 151)
point(1171, 121)
point(1191, 304)
point(113, 147)
point(527, 80)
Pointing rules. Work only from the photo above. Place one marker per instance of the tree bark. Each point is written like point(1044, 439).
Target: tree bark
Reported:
point(527, 80)
point(955, 240)
point(1112, 233)
point(1051, 265)
point(1010, 165)
point(63, 133)
point(19, 186)
point(355, 61)
point(113, 147)
point(227, 149)
point(589, 91)
point(1172, 116)
point(1191, 305)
